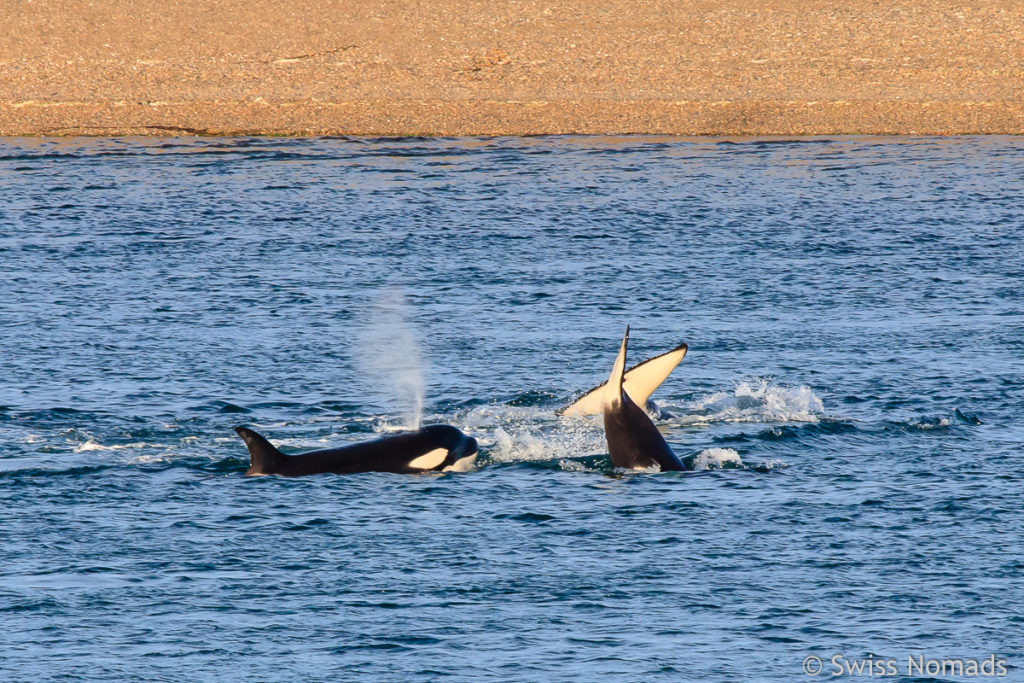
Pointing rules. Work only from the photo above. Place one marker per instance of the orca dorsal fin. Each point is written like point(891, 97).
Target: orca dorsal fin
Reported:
point(263, 456)
point(613, 387)
point(640, 381)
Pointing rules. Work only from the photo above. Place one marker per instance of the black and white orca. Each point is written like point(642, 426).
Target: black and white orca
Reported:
point(639, 382)
point(633, 440)
point(434, 448)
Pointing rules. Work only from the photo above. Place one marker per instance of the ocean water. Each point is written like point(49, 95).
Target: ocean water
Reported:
point(852, 398)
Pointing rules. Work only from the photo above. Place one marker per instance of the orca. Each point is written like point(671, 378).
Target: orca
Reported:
point(431, 449)
point(639, 381)
point(633, 440)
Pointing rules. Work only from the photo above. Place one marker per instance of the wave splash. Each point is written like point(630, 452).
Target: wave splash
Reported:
point(756, 400)
point(530, 434)
point(717, 459)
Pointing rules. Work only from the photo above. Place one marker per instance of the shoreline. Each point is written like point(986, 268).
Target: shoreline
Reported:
point(485, 119)
point(465, 68)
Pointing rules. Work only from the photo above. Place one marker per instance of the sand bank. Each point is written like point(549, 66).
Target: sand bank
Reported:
point(460, 67)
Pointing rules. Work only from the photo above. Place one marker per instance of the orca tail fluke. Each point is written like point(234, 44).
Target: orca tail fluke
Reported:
point(613, 389)
point(639, 381)
point(263, 457)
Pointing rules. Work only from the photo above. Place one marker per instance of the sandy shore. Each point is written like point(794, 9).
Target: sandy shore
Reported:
point(463, 67)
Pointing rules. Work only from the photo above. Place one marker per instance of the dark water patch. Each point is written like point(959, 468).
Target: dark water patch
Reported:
point(31, 606)
point(531, 398)
point(943, 423)
point(822, 428)
point(334, 406)
point(58, 412)
point(38, 474)
point(737, 438)
point(594, 463)
point(307, 525)
point(221, 407)
point(220, 465)
point(270, 405)
point(965, 418)
point(527, 517)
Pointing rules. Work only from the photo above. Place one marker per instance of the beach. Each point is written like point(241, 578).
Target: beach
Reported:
point(461, 67)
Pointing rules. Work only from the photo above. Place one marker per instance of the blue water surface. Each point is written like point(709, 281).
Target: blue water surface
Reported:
point(852, 398)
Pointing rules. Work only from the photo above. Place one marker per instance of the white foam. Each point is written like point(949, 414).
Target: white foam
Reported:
point(653, 469)
point(937, 424)
point(773, 464)
point(519, 447)
point(300, 442)
point(146, 459)
point(92, 445)
point(76, 435)
point(755, 400)
point(531, 434)
point(716, 459)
